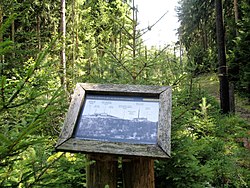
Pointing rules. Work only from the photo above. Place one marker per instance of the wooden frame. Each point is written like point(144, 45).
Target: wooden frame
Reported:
point(161, 149)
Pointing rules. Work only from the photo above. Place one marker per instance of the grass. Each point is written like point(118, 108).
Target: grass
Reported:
point(210, 83)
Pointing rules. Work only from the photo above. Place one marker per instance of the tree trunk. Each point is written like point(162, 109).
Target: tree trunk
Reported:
point(232, 98)
point(102, 172)
point(181, 64)
point(1, 40)
point(63, 56)
point(134, 41)
point(236, 15)
point(138, 173)
point(13, 36)
point(1, 22)
point(38, 31)
point(224, 84)
point(73, 40)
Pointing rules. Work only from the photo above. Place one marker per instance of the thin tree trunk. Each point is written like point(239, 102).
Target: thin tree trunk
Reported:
point(63, 56)
point(1, 22)
point(38, 31)
point(73, 40)
point(204, 34)
point(236, 15)
point(134, 40)
point(224, 84)
point(13, 36)
point(120, 46)
point(181, 64)
point(1, 40)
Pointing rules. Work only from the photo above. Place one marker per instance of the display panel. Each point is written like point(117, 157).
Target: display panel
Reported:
point(119, 119)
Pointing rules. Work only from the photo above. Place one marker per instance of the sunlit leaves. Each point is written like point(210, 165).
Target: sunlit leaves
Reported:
point(205, 151)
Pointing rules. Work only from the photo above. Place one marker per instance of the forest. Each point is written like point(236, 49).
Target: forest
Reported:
point(47, 46)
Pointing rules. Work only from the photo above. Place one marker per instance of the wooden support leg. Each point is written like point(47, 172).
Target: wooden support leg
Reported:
point(102, 172)
point(138, 173)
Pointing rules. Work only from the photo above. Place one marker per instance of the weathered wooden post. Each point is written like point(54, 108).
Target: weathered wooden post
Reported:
point(130, 121)
point(102, 172)
point(138, 172)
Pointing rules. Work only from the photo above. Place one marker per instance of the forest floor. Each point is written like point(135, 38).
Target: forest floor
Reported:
point(210, 83)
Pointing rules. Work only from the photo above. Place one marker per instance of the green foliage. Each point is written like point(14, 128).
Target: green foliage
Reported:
point(206, 151)
point(29, 25)
point(197, 33)
point(239, 71)
point(31, 109)
point(7, 23)
point(102, 46)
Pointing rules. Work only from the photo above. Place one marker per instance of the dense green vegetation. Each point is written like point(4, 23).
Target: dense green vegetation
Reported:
point(103, 45)
point(198, 34)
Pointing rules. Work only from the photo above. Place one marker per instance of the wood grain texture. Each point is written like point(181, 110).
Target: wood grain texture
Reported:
point(102, 171)
point(67, 142)
point(164, 124)
point(71, 117)
point(88, 146)
point(138, 173)
point(126, 89)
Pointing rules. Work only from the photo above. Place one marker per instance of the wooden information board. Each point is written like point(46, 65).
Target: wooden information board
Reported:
point(130, 120)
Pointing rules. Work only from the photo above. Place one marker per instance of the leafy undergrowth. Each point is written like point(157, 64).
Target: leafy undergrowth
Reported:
point(208, 148)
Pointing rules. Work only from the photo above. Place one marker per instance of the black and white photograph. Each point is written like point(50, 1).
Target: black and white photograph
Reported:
point(119, 119)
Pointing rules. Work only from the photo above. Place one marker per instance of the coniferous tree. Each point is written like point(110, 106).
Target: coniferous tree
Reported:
point(224, 84)
point(63, 55)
